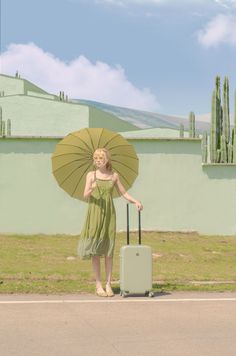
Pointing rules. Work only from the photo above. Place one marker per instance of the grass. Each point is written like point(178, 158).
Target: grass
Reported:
point(48, 264)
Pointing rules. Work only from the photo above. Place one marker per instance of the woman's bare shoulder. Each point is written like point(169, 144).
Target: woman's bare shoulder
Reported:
point(115, 175)
point(90, 174)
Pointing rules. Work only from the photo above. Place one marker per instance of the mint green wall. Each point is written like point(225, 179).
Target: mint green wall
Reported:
point(11, 86)
point(15, 86)
point(178, 193)
point(32, 116)
point(157, 132)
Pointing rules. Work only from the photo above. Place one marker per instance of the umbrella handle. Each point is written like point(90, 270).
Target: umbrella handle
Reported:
point(127, 211)
point(139, 226)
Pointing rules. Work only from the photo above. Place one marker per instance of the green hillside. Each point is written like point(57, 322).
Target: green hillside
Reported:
point(145, 119)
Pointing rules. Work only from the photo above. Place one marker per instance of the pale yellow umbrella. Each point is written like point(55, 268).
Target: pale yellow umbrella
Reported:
point(73, 159)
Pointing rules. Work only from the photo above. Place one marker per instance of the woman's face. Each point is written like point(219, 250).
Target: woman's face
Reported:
point(100, 160)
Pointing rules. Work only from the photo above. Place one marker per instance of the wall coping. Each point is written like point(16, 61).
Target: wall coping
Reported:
point(126, 137)
point(217, 164)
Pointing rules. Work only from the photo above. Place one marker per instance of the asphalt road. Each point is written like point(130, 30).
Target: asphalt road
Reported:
point(167, 325)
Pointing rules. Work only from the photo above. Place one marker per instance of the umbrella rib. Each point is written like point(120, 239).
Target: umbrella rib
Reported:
point(125, 165)
point(80, 179)
point(68, 144)
point(100, 137)
point(112, 138)
point(90, 139)
point(114, 147)
point(67, 165)
point(79, 138)
point(70, 153)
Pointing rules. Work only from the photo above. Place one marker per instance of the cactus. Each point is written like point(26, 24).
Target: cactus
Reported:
point(8, 127)
point(219, 112)
point(234, 149)
point(3, 129)
point(230, 153)
point(213, 136)
point(181, 131)
point(234, 130)
point(218, 155)
point(204, 147)
point(224, 158)
point(226, 119)
point(191, 124)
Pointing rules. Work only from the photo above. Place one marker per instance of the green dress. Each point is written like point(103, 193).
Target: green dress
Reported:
point(97, 237)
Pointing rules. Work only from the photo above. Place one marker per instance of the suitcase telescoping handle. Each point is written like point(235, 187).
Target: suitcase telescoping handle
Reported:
point(139, 226)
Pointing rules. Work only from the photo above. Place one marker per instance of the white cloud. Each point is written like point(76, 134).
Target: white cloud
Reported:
point(221, 29)
point(226, 3)
point(79, 78)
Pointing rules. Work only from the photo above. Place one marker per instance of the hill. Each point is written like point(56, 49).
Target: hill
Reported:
point(145, 119)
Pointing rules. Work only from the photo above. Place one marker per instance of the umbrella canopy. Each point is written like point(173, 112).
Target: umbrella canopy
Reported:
point(73, 159)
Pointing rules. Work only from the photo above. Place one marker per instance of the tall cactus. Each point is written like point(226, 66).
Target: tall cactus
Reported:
point(224, 156)
point(234, 149)
point(3, 129)
point(204, 147)
point(8, 127)
point(234, 130)
point(219, 112)
point(191, 124)
point(230, 153)
point(213, 135)
point(226, 119)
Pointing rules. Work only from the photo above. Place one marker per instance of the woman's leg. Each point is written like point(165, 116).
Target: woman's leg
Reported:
point(108, 266)
point(97, 272)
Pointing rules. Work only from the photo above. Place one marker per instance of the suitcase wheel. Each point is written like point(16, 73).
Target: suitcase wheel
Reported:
point(123, 294)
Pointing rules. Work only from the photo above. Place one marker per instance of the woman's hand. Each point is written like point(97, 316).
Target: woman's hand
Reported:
point(138, 205)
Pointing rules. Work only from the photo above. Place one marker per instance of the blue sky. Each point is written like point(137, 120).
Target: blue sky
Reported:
point(155, 55)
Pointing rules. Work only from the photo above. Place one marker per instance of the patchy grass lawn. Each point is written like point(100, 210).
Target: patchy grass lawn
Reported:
point(49, 264)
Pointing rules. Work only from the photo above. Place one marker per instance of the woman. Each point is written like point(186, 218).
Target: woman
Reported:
point(97, 238)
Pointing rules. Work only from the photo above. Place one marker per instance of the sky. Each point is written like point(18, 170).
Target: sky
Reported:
point(153, 55)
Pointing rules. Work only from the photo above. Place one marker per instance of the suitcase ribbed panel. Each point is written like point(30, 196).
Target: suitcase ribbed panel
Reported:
point(136, 269)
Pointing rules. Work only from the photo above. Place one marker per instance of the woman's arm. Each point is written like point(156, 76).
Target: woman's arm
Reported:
point(123, 192)
point(90, 185)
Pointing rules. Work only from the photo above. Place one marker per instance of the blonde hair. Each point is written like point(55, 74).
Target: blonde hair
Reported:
point(106, 154)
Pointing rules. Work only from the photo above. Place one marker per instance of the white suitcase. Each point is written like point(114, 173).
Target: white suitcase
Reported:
point(135, 266)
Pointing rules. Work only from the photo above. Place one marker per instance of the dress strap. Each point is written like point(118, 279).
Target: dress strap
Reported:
point(95, 175)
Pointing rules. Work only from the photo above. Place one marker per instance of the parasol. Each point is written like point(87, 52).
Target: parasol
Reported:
point(73, 159)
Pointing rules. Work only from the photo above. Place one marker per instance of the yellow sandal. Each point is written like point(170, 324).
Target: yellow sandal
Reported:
point(109, 291)
point(100, 293)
